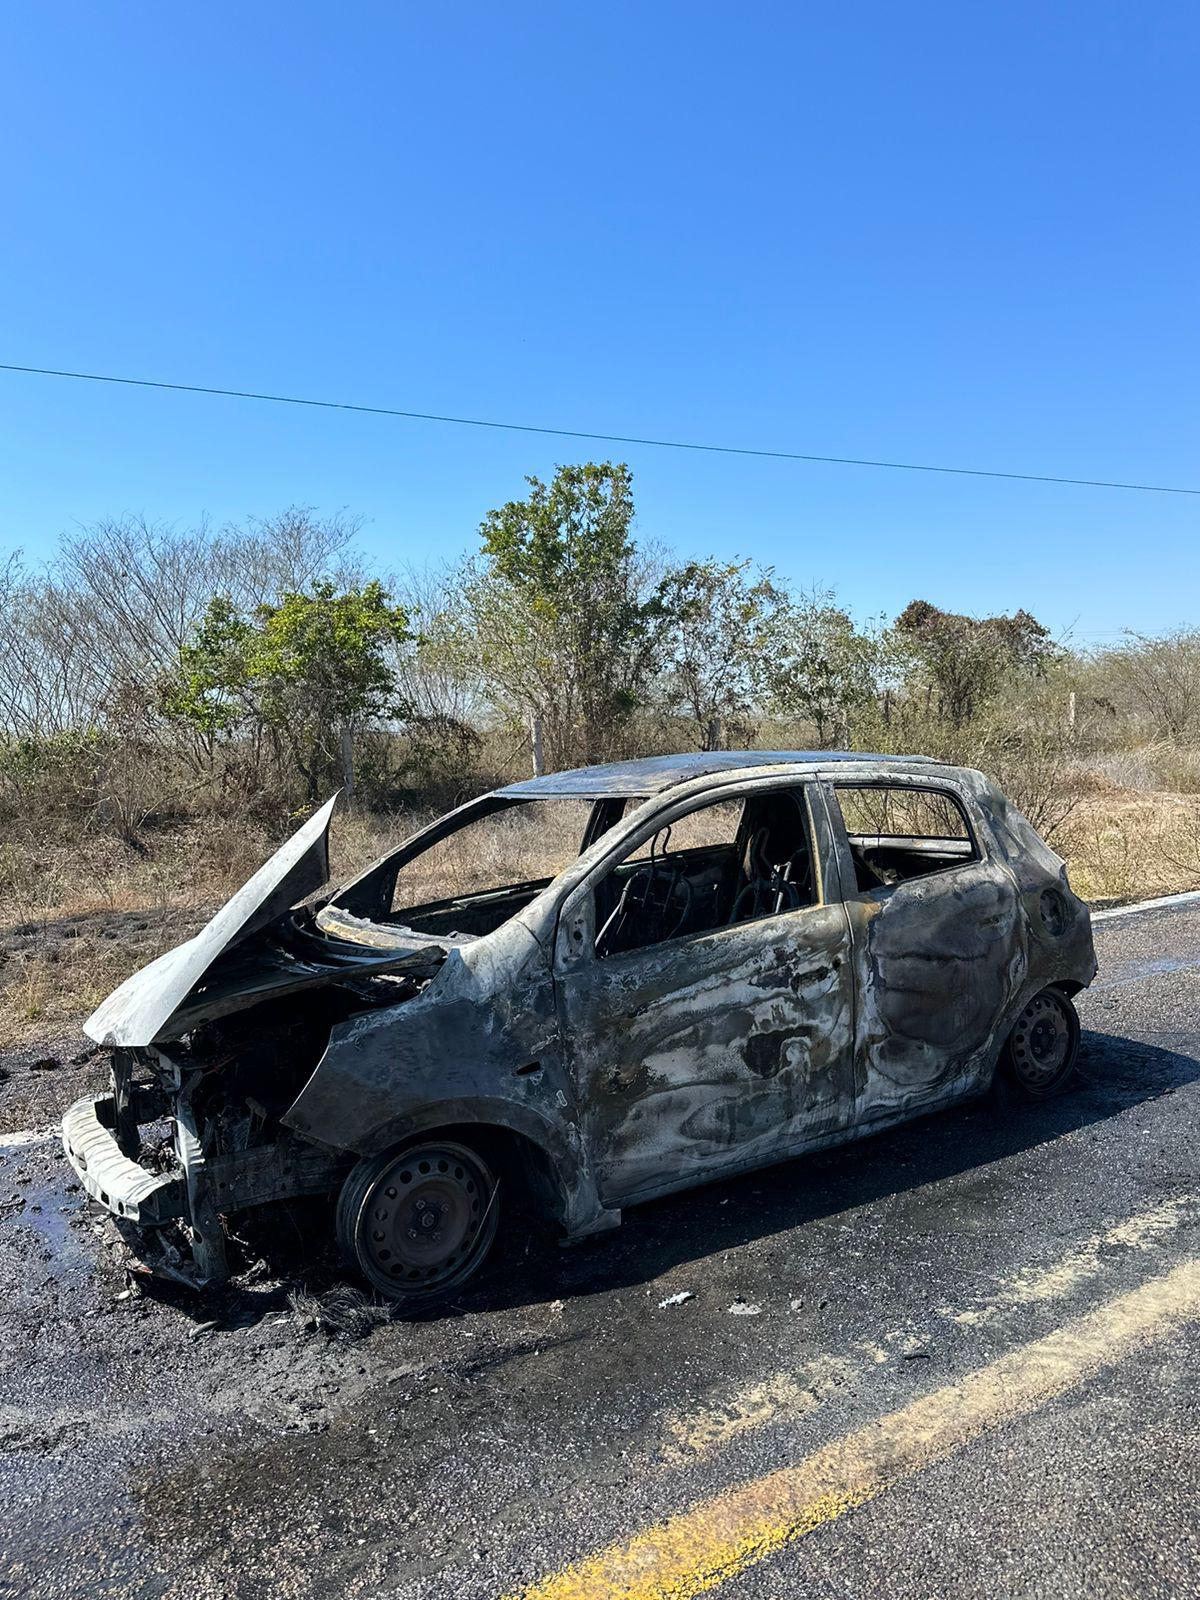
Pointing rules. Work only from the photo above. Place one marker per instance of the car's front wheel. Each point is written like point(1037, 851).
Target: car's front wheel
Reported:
point(1039, 1054)
point(419, 1222)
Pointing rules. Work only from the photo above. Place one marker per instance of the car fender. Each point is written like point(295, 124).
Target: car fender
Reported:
point(479, 1044)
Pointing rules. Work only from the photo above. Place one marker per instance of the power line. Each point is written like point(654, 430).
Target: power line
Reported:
point(602, 438)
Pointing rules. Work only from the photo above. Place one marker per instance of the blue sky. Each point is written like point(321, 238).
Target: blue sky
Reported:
point(960, 234)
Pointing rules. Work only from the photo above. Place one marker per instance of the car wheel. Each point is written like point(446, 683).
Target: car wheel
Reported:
point(1040, 1052)
point(419, 1222)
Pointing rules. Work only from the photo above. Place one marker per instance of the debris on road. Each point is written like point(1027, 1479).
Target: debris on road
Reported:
point(744, 1308)
point(341, 1311)
point(676, 1299)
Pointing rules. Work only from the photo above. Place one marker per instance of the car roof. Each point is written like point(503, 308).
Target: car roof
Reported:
point(652, 774)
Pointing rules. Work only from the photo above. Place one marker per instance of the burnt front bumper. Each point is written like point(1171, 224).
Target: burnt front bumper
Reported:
point(168, 1217)
point(184, 1205)
point(129, 1191)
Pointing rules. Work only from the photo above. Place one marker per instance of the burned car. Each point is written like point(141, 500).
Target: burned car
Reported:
point(587, 989)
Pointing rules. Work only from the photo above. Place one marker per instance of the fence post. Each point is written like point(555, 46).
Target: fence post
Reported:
point(346, 752)
point(535, 740)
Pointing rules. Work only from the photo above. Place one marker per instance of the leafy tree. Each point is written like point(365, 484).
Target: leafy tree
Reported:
point(210, 690)
point(961, 662)
point(308, 671)
point(563, 620)
point(715, 617)
point(817, 666)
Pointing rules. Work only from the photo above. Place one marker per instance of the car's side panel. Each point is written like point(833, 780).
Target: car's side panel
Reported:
point(727, 1049)
point(709, 1053)
point(937, 960)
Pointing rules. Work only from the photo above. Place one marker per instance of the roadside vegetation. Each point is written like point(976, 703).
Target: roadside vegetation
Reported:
point(172, 702)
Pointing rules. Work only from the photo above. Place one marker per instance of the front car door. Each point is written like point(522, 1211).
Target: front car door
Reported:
point(702, 976)
point(939, 942)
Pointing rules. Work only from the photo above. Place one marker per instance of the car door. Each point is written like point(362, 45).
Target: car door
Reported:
point(939, 941)
point(725, 1041)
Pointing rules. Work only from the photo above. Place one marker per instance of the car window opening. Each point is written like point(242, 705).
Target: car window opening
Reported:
point(727, 863)
point(477, 877)
point(901, 833)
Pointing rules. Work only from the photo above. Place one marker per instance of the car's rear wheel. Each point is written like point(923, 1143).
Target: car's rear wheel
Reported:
point(1040, 1053)
point(419, 1222)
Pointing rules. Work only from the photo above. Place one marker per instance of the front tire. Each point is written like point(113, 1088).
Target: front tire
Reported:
point(1040, 1053)
point(419, 1222)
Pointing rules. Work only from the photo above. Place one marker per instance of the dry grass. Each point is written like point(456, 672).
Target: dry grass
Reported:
point(1125, 845)
point(534, 841)
point(1134, 827)
point(80, 915)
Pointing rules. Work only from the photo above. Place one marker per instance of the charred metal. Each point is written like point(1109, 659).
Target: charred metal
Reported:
point(746, 955)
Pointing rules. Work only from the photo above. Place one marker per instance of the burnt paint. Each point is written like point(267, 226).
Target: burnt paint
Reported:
point(661, 1069)
point(693, 1056)
point(653, 774)
point(665, 1068)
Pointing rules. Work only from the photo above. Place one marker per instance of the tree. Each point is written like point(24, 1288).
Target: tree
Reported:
point(1162, 678)
point(562, 610)
point(308, 670)
point(817, 666)
point(123, 597)
point(959, 663)
point(715, 616)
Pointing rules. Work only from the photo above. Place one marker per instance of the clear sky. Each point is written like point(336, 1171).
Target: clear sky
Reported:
point(953, 233)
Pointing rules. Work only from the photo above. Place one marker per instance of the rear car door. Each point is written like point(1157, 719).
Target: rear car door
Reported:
point(939, 940)
point(704, 990)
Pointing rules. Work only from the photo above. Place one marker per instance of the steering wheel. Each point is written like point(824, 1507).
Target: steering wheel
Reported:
point(652, 893)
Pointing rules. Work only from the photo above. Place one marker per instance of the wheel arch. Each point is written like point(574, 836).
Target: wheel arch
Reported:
point(1068, 986)
point(545, 1161)
point(1033, 985)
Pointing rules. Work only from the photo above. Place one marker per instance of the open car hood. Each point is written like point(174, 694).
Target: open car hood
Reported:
point(140, 1010)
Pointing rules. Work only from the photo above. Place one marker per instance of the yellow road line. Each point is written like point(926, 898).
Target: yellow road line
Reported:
point(695, 1551)
point(1084, 1261)
point(784, 1396)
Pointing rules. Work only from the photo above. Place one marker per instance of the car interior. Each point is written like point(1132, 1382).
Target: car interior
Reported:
point(754, 862)
point(898, 833)
point(724, 863)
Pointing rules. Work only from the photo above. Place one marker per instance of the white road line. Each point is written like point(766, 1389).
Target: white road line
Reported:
point(1189, 897)
point(24, 1136)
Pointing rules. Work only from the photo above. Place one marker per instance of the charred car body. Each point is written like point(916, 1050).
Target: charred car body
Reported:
point(705, 963)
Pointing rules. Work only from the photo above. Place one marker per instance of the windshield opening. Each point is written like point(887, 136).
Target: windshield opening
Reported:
point(473, 879)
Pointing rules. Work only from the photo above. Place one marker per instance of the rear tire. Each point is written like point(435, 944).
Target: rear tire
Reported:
point(1040, 1053)
point(419, 1222)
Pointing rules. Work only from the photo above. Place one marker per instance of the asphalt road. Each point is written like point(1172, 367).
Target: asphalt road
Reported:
point(955, 1360)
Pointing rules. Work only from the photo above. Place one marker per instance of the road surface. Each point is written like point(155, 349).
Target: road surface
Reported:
point(956, 1360)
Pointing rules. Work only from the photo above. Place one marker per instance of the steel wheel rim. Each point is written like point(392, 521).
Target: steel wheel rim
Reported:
point(427, 1219)
point(1041, 1042)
